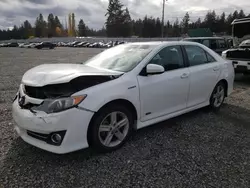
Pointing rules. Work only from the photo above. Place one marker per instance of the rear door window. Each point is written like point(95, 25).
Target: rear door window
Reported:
point(197, 56)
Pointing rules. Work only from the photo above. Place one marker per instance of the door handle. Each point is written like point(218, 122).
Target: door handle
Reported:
point(216, 68)
point(184, 75)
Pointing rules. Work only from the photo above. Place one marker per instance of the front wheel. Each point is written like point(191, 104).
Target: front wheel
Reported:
point(218, 96)
point(111, 128)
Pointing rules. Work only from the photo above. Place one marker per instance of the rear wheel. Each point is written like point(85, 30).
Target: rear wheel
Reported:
point(218, 96)
point(111, 128)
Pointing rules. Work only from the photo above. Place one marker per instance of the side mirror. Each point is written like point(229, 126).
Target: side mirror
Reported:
point(154, 69)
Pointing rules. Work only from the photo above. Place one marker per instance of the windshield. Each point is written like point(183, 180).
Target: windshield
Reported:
point(121, 58)
point(241, 32)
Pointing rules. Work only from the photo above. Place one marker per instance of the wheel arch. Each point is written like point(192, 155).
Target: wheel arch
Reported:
point(224, 81)
point(124, 102)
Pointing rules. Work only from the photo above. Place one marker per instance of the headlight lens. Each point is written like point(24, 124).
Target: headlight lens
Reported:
point(58, 105)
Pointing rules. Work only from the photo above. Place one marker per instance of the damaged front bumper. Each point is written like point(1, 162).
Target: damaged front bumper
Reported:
point(73, 122)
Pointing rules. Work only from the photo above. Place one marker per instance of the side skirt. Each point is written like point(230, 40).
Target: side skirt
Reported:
point(168, 116)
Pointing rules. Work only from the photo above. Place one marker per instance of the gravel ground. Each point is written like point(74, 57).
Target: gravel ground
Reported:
point(199, 149)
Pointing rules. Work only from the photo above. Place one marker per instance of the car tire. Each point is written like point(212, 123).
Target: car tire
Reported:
point(218, 96)
point(102, 128)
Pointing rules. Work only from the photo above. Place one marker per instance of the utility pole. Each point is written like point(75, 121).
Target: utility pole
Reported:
point(162, 25)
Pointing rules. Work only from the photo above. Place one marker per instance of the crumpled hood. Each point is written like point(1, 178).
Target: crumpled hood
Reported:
point(61, 73)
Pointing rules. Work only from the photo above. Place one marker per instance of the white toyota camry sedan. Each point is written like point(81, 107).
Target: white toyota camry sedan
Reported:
point(66, 107)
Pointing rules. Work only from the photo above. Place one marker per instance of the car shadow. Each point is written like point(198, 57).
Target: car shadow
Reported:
point(242, 80)
point(142, 145)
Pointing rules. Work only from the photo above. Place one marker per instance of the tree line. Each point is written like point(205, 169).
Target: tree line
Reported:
point(50, 27)
point(120, 24)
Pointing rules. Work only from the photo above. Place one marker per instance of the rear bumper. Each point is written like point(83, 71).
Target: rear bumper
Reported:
point(242, 70)
point(74, 122)
point(241, 66)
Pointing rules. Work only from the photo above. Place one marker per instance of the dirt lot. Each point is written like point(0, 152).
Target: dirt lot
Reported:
point(199, 149)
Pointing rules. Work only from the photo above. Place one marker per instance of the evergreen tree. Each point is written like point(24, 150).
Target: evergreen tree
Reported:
point(40, 26)
point(138, 27)
point(198, 23)
point(27, 29)
point(241, 14)
point(185, 22)
point(176, 28)
point(222, 23)
point(235, 15)
point(118, 22)
point(210, 21)
point(145, 29)
point(126, 28)
point(82, 28)
point(228, 23)
point(57, 22)
point(168, 29)
point(158, 27)
point(51, 25)
point(114, 17)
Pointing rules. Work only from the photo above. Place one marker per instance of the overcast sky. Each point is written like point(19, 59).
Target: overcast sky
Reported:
point(93, 11)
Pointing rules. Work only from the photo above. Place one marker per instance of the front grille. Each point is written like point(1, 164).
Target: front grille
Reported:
point(49, 91)
point(239, 54)
point(35, 92)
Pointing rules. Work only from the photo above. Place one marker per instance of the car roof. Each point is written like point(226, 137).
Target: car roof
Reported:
point(245, 43)
point(203, 38)
point(242, 20)
point(163, 43)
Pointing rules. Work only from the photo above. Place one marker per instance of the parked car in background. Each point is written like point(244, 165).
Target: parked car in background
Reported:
point(218, 44)
point(61, 44)
point(72, 44)
point(66, 107)
point(30, 45)
point(2, 45)
point(93, 45)
point(86, 45)
point(78, 44)
point(23, 45)
point(81, 44)
point(240, 57)
point(11, 44)
point(239, 54)
point(48, 45)
point(109, 44)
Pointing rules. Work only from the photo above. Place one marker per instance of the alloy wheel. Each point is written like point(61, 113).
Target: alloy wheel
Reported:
point(113, 129)
point(218, 96)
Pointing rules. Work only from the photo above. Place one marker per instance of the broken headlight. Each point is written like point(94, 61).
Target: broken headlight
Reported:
point(58, 105)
